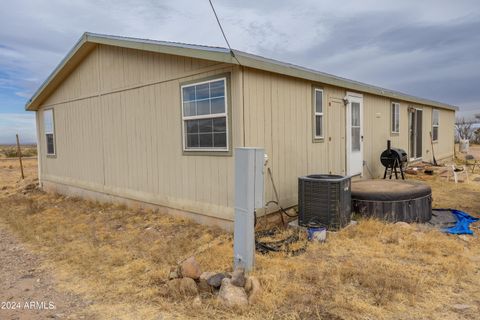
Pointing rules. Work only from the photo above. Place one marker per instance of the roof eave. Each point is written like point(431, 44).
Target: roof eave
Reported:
point(152, 46)
point(88, 41)
point(261, 63)
point(33, 103)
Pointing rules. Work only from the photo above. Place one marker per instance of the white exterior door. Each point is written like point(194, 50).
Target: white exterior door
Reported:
point(354, 128)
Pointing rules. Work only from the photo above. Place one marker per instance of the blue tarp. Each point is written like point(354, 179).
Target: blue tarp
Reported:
point(463, 223)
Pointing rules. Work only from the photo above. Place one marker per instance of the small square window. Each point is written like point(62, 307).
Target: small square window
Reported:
point(189, 94)
point(220, 140)
point(203, 107)
point(217, 89)
point(218, 105)
point(202, 91)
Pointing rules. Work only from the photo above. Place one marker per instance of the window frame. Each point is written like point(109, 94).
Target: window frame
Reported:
point(394, 116)
point(319, 114)
point(437, 125)
point(45, 133)
point(208, 151)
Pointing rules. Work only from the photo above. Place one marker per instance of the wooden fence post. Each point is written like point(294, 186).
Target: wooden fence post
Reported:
point(19, 154)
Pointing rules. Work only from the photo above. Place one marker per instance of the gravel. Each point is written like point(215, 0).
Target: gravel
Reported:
point(28, 289)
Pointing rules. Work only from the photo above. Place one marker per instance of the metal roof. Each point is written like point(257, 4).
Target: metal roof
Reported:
point(88, 41)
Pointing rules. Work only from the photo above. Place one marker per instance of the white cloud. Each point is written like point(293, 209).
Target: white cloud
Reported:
point(22, 124)
point(348, 38)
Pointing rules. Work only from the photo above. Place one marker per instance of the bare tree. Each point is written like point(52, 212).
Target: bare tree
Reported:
point(477, 136)
point(464, 129)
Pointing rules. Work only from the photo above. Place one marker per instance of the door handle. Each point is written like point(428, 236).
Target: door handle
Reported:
point(361, 137)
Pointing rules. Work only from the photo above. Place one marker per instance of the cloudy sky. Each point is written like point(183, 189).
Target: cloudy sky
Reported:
point(426, 48)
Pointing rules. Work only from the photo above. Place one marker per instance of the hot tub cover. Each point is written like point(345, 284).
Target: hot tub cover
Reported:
point(389, 190)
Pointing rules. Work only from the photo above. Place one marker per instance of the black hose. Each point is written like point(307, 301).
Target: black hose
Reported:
point(277, 197)
point(287, 214)
point(282, 245)
point(278, 245)
point(281, 209)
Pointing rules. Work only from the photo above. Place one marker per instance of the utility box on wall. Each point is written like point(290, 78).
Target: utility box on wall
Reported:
point(249, 195)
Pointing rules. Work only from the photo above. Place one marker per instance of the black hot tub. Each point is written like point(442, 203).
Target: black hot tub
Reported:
point(392, 200)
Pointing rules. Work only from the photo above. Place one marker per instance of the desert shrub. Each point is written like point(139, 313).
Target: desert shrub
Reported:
point(31, 152)
point(10, 153)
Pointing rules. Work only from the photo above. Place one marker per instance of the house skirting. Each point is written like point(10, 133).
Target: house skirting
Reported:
point(73, 191)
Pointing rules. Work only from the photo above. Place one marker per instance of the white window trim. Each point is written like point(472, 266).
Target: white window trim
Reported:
point(394, 118)
point(436, 125)
point(315, 114)
point(206, 116)
point(50, 132)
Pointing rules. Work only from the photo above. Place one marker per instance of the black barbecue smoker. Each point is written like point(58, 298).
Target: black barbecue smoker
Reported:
point(394, 160)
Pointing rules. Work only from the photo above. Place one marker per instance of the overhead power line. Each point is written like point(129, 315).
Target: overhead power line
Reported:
point(223, 32)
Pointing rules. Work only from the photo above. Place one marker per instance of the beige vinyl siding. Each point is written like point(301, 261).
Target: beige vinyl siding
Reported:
point(124, 137)
point(377, 132)
point(118, 130)
point(82, 82)
point(108, 69)
point(446, 132)
point(279, 118)
point(445, 144)
point(335, 132)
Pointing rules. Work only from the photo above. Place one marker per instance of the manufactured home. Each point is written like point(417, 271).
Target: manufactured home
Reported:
point(156, 124)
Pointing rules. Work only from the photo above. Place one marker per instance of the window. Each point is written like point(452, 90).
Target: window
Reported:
point(318, 113)
point(355, 125)
point(395, 117)
point(435, 123)
point(204, 115)
point(49, 127)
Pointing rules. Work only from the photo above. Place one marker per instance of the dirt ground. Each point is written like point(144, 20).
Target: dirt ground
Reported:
point(474, 150)
point(101, 261)
point(28, 289)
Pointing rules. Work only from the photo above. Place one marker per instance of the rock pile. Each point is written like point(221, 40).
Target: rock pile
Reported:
point(231, 289)
point(27, 185)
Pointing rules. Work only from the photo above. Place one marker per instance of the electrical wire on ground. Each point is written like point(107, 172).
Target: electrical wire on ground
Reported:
point(282, 245)
point(277, 201)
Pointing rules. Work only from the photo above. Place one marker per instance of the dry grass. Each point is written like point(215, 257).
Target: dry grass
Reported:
point(10, 171)
point(463, 196)
point(119, 258)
